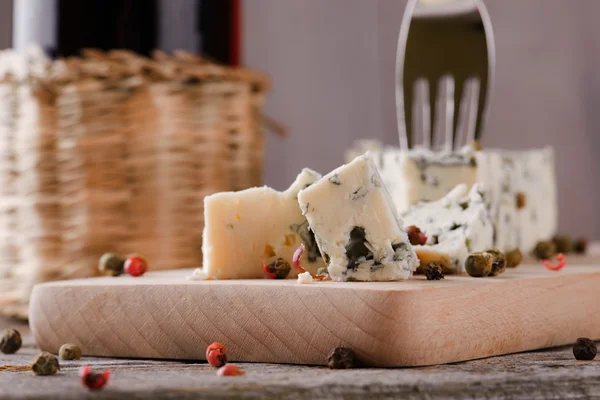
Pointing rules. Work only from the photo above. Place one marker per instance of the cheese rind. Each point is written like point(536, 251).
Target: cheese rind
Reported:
point(419, 174)
point(455, 226)
point(243, 229)
point(356, 225)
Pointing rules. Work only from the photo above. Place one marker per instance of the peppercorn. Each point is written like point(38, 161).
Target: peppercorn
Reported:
point(580, 245)
point(135, 266)
point(215, 355)
point(514, 258)
point(585, 349)
point(45, 364)
point(11, 341)
point(544, 250)
point(520, 200)
point(415, 236)
point(479, 264)
point(230, 370)
point(563, 243)
point(111, 264)
point(433, 272)
point(341, 358)
point(69, 351)
point(93, 380)
point(498, 262)
point(279, 269)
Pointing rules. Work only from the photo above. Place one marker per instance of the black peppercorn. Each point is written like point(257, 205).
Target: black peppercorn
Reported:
point(111, 264)
point(11, 341)
point(478, 264)
point(514, 258)
point(433, 272)
point(341, 358)
point(498, 262)
point(580, 246)
point(544, 250)
point(69, 351)
point(585, 349)
point(45, 364)
point(280, 268)
point(563, 243)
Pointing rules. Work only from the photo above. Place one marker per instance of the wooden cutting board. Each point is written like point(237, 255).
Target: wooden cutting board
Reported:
point(411, 323)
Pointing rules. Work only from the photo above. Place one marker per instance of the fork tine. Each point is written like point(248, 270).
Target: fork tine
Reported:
point(473, 104)
point(467, 113)
point(444, 114)
point(467, 119)
point(421, 111)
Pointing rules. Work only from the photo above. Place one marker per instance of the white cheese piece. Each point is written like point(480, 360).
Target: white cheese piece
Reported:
point(305, 277)
point(455, 226)
point(243, 229)
point(198, 275)
point(356, 226)
point(417, 175)
point(423, 175)
point(530, 174)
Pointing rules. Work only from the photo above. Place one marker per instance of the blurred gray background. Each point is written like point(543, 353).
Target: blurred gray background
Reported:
point(332, 65)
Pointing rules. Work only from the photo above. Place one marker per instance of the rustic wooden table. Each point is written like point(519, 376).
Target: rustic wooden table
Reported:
point(548, 374)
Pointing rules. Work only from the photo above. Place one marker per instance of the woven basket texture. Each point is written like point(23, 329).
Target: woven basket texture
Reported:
point(113, 152)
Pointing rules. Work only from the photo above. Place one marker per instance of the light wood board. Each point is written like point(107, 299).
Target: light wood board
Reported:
point(410, 323)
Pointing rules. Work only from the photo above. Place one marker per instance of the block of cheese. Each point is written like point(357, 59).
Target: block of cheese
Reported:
point(356, 226)
point(520, 186)
point(455, 226)
point(243, 229)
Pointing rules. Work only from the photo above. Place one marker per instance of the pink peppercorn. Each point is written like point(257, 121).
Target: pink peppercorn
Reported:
point(215, 355)
point(93, 380)
point(230, 370)
point(136, 266)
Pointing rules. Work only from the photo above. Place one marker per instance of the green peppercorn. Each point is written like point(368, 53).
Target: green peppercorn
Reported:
point(341, 358)
point(433, 272)
point(69, 351)
point(45, 364)
point(11, 341)
point(544, 250)
point(514, 258)
point(580, 246)
point(280, 268)
point(111, 264)
point(498, 262)
point(563, 243)
point(478, 264)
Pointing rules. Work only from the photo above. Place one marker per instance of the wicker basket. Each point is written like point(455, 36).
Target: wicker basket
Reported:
point(115, 152)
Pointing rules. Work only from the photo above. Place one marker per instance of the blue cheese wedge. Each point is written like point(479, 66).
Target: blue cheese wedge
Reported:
point(455, 226)
point(356, 226)
point(244, 228)
point(520, 187)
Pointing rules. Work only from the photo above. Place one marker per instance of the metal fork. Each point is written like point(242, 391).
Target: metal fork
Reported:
point(445, 52)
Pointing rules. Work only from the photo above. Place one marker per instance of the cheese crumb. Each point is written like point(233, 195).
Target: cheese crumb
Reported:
point(198, 275)
point(305, 277)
